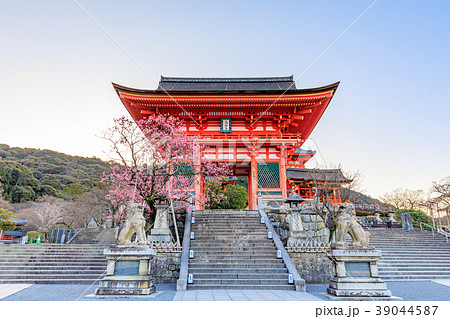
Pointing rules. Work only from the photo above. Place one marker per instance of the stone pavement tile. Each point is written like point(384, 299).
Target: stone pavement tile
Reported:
point(9, 289)
point(221, 295)
point(445, 282)
point(252, 295)
point(269, 295)
point(190, 296)
point(178, 296)
point(237, 295)
point(283, 295)
point(205, 295)
point(303, 296)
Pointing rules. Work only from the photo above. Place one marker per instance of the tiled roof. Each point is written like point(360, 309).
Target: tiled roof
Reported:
point(316, 175)
point(175, 84)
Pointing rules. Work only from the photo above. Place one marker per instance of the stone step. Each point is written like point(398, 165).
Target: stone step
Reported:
point(53, 267)
point(414, 239)
point(40, 252)
point(234, 254)
point(53, 281)
point(228, 235)
point(55, 254)
point(240, 265)
point(52, 246)
point(256, 222)
point(228, 282)
point(413, 277)
point(414, 259)
point(220, 261)
point(49, 259)
point(28, 248)
point(227, 216)
point(44, 263)
point(240, 287)
point(230, 240)
point(239, 270)
point(228, 221)
point(409, 244)
point(211, 276)
point(389, 273)
point(415, 264)
point(53, 271)
point(229, 248)
point(208, 231)
point(222, 231)
point(218, 212)
point(51, 276)
point(416, 251)
point(233, 260)
point(226, 248)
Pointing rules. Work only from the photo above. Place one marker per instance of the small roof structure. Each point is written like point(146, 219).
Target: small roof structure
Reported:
point(19, 222)
point(15, 233)
point(294, 198)
point(330, 176)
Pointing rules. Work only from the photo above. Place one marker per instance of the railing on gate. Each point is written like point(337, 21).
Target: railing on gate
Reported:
point(435, 229)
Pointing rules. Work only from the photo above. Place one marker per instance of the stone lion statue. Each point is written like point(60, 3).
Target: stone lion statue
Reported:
point(135, 223)
point(346, 223)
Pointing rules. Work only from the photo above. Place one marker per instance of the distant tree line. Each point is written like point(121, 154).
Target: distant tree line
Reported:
point(27, 174)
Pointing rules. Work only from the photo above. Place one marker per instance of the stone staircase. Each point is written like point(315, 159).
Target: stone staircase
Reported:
point(95, 236)
point(51, 263)
point(411, 255)
point(232, 251)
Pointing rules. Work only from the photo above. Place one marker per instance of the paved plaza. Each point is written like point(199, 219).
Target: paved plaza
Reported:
point(437, 290)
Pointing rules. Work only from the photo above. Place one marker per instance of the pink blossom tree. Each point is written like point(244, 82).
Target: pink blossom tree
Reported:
point(157, 160)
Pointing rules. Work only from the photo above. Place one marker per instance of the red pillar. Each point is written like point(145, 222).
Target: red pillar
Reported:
point(253, 184)
point(250, 188)
point(198, 178)
point(282, 167)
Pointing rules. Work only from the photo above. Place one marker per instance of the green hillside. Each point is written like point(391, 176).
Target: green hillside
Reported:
point(27, 173)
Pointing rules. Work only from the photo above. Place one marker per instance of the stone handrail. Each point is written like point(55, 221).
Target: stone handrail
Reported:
point(299, 283)
point(182, 280)
point(433, 229)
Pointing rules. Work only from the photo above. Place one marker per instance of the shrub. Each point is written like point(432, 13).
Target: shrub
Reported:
point(236, 196)
point(5, 222)
point(33, 234)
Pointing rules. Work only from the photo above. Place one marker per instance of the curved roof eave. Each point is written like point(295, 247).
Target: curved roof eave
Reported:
point(121, 88)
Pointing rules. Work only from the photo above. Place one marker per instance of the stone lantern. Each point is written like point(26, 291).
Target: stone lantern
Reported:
point(160, 231)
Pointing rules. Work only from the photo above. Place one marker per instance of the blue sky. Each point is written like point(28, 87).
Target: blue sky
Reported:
point(388, 118)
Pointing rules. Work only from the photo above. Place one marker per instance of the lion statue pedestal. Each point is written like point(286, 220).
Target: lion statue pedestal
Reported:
point(129, 271)
point(355, 270)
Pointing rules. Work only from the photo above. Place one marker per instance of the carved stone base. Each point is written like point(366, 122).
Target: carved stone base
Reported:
point(355, 275)
point(128, 271)
point(126, 285)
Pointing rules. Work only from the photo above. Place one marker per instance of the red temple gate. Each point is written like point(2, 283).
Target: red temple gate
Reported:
point(257, 125)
